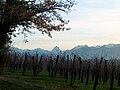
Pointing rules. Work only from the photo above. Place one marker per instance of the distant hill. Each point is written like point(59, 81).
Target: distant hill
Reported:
point(107, 51)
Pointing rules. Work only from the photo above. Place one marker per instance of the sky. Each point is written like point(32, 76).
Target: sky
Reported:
point(92, 22)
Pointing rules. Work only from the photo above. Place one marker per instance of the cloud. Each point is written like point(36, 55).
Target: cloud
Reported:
point(93, 22)
point(98, 3)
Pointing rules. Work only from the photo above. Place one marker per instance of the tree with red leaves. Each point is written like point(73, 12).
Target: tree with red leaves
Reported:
point(20, 16)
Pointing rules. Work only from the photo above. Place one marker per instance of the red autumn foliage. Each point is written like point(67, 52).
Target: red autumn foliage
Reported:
point(45, 15)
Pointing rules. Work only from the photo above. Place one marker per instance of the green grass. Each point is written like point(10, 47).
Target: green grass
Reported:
point(15, 81)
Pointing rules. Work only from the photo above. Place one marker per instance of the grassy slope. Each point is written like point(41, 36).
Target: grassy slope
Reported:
point(14, 81)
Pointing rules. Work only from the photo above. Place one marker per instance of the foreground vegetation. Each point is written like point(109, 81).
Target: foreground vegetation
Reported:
point(41, 72)
point(15, 81)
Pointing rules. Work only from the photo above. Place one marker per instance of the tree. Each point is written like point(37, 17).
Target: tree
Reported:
point(19, 16)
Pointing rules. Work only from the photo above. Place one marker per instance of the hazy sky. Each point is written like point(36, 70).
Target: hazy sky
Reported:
point(94, 22)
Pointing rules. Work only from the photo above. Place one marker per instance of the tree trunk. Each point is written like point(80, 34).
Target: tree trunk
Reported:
point(67, 68)
point(112, 78)
point(79, 70)
point(97, 74)
point(88, 71)
point(56, 65)
point(24, 65)
point(72, 72)
point(4, 40)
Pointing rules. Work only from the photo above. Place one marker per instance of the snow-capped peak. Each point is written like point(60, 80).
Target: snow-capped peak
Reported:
point(80, 46)
point(110, 50)
point(112, 45)
point(56, 49)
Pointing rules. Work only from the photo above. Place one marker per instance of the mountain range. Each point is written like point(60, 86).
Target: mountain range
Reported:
point(106, 51)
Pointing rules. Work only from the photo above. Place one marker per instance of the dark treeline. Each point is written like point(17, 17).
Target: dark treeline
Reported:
point(67, 67)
